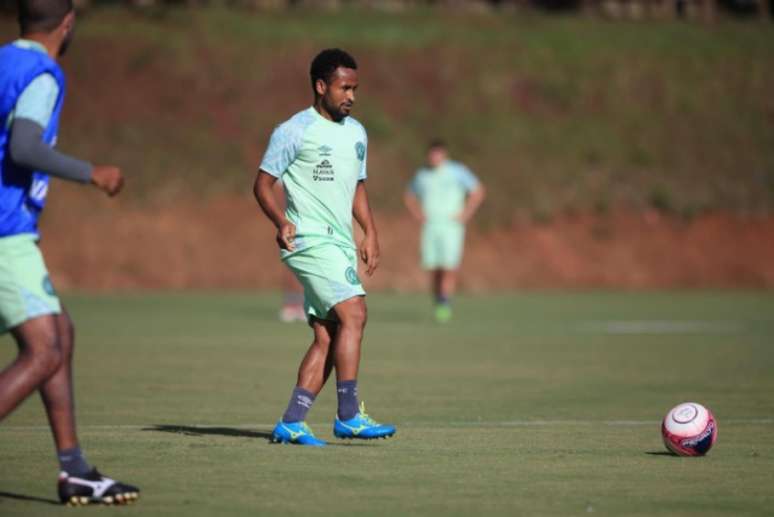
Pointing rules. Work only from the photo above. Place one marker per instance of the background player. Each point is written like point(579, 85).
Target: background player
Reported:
point(320, 154)
point(32, 90)
point(443, 197)
point(292, 309)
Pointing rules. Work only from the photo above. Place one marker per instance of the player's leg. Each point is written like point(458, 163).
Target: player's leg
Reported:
point(352, 420)
point(313, 372)
point(450, 245)
point(79, 483)
point(39, 357)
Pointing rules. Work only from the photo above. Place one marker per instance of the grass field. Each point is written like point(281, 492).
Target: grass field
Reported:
point(527, 404)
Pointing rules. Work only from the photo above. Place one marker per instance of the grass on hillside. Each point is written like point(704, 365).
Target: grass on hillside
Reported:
point(528, 404)
point(555, 113)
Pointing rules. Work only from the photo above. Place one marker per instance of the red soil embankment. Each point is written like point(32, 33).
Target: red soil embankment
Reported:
point(227, 243)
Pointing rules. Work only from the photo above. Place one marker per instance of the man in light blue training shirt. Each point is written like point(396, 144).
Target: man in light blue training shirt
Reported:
point(32, 91)
point(443, 197)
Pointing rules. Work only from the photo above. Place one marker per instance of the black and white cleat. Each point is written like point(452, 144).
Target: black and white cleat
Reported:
point(94, 488)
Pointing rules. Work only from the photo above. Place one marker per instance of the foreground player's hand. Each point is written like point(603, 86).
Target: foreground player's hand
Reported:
point(286, 235)
point(108, 179)
point(369, 253)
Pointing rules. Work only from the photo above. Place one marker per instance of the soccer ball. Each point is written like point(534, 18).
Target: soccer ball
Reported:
point(689, 429)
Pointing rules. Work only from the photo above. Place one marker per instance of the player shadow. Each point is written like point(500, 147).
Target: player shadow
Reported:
point(28, 498)
point(191, 430)
point(661, 453)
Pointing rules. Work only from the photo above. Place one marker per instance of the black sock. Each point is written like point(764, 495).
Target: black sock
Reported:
point(300, 402)
point(347, 393)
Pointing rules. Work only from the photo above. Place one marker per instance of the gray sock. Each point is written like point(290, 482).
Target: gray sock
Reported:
point(300, 402)
point(347, 393)
point(73, 462)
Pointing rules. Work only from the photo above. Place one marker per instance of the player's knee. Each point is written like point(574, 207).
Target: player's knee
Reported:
point(44, 354)
point(322, 341)
point(356, 316)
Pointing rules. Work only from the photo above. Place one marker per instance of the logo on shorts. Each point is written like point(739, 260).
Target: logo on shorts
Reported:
point(48, 287)
point(352, 276)
point(360, 150)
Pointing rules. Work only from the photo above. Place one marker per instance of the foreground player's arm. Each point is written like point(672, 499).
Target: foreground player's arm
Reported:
point(369, 246)
point(264, 194)
point(32, 113)
point(413, 206)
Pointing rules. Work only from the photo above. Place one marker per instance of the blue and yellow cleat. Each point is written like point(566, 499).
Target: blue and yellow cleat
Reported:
point(297, 432)
point(362, 427)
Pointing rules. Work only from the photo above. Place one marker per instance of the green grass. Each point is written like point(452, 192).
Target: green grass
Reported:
point(526, 404)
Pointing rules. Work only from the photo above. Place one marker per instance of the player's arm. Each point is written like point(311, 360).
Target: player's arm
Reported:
point(264, 194)
point(472, 203)
point(369, 246)
point(32, 114)
point(413, 206)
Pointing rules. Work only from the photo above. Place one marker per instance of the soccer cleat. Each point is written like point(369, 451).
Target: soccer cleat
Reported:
point(297, 432)
point(443, 313)
point(93, 488)
point(362, 427)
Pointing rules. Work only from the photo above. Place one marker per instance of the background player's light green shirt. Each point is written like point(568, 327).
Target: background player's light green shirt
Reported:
point(320, 163)
point(442, 191)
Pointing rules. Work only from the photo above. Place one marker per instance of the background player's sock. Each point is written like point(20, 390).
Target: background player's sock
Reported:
point(347, 393)
point(442, 299)
point(300, 402)
point(73, 462)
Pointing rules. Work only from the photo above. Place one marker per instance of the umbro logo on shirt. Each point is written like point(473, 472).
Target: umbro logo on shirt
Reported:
point(324, 150)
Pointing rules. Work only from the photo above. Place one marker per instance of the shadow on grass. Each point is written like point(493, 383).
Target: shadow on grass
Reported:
point(192, 430)
point(662, 453)
point(28, 498)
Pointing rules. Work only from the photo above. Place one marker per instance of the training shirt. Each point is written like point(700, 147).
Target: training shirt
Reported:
point(442, 191)
point(320, 163)
point(32, 87)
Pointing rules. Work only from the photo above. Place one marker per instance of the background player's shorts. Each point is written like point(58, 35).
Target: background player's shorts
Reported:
point(442, 245)
point(25, 289)
point(328, 274)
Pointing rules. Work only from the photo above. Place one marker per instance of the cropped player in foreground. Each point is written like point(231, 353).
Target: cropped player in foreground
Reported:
point(32, 90)
point(320, 154)
point(443, 197)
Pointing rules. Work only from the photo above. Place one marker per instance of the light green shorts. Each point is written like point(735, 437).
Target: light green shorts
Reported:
point(442, 245)
point(25, 289)
point(328, 274)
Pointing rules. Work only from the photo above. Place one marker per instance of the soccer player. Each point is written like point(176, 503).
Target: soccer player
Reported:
point(443, 197)
point(32, 90)
point(320, 154)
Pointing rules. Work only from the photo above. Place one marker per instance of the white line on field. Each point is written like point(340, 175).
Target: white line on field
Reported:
point(508, 423)
point(662, 327)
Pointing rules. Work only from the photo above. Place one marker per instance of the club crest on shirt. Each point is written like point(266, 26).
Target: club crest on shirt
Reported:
point(323, 171)
point(360, 150)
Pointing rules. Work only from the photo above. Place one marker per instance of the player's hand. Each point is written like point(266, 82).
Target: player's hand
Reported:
point(369, 253)
point(108, 179)
point(286, 235)
point(461, 218)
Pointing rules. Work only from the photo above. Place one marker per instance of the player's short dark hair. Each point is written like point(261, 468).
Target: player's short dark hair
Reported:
point(326, 63)
point(436, 143)
point(42, 15)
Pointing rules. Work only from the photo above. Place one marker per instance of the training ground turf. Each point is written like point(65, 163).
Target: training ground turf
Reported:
point(531, 404)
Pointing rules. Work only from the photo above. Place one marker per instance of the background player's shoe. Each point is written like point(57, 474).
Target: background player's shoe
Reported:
point(92, 488)
point(362, 427)
point(443, 313)
point(296, 432)
point(292, 313)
